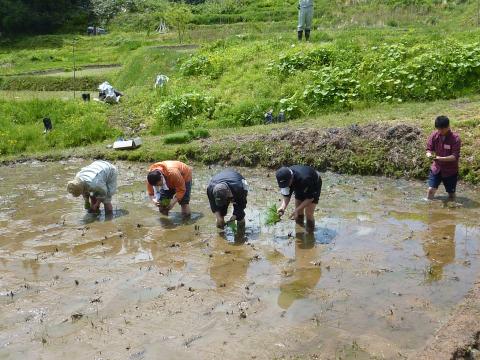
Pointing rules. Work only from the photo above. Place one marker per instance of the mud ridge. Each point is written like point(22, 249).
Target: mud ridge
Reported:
point(372, 149)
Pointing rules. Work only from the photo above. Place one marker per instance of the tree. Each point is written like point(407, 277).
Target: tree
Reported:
point(37, 16)
point(105, 10)
point(178, 16)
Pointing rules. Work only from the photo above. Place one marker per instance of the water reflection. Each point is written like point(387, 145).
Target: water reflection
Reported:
point(305, 274)
point(439, 244)
point(176, 219)
point(229, 264)
point(89, 218)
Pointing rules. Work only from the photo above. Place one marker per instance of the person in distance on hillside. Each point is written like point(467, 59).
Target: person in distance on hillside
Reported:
point(443, 147)
point(228, 186)
point(306, 183)
point(305, 17)
point(97, 183)
point(168, 183)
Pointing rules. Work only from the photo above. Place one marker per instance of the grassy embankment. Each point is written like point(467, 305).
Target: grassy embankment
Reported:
point(354, 75)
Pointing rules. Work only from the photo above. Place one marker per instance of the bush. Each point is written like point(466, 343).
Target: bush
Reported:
point(175, 110)
point(177, 138)
point(332, 86)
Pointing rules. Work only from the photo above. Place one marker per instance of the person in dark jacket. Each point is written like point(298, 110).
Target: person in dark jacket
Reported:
point(226, 187)
point(306, 183)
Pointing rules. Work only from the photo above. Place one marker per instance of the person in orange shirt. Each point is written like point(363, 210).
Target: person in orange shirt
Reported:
point(168, 183)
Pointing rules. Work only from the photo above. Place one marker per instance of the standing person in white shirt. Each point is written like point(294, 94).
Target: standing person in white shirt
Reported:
point(97, 183)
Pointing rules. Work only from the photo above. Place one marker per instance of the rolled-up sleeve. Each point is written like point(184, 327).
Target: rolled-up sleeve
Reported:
point(430, 143)
point(456, 148)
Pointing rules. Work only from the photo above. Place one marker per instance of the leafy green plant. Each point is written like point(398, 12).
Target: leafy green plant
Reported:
point(165, 202)
point(332, 86)
point(233, 226)
point(271, 215)
point(173, 112)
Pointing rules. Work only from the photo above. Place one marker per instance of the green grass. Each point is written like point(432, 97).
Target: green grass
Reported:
point(74, 124)
point(186, 136)
point(356, 69)
point(177, 138)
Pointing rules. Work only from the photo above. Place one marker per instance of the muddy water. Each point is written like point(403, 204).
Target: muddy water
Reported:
point(380, 274)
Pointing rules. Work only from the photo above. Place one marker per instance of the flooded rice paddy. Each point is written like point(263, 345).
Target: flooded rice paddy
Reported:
point(380, 274)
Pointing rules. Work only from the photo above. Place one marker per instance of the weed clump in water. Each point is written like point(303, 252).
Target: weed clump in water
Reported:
point(272, 216)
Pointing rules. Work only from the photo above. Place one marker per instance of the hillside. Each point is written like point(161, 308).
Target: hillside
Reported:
point(238, 60)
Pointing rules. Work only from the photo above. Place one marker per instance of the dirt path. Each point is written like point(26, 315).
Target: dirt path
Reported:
point(455, 339)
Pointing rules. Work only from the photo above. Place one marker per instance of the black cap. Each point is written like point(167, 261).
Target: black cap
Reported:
point(284, 175)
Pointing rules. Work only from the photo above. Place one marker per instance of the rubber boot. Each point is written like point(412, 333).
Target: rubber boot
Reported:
point(310, 226)
point(300, 35)
point(300, 220)
point(307, 35)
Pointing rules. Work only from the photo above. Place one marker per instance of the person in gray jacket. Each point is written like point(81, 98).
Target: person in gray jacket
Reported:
point(97, 183)
point(305, 17)
point(228, 186)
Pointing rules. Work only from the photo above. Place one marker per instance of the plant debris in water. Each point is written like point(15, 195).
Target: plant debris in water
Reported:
point(272, 216)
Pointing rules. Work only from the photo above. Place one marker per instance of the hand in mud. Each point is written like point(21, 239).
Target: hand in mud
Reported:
point(294, 215)
point(164, 210)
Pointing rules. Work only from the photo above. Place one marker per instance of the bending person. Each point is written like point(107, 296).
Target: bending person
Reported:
point(306, 183)
point(224, 188)
point(169, 183)
point(97, 183)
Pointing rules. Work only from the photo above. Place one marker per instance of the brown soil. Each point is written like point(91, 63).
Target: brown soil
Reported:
point(459, 338)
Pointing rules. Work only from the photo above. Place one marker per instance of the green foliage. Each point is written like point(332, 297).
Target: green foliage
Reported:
point(177, 138)
point(186, 136)
point(24, 16)
point(178, 16)
point(332, 86)
point(232, 225)
point(271, 215)
point(74, 124)
point(299, 60)
point(49, 83)
point(196, 65)
point(177, 109)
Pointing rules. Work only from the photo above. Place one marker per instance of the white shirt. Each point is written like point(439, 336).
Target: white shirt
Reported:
point(100, 178)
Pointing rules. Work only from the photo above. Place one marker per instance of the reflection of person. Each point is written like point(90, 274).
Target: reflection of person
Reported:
point(306, 273)
point(226, 270)
point(443, 147)
point(439, 244)
point(306, 183)
point(168, 183)
point(226, 187)
point(305, 17)
point(97, 183)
